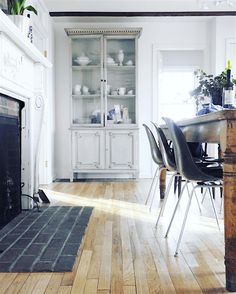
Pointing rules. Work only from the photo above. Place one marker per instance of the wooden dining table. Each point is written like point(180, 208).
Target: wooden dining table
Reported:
point(219, 127)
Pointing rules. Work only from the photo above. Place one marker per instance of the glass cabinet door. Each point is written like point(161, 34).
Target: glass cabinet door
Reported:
point(87, 106)
point(120, 72)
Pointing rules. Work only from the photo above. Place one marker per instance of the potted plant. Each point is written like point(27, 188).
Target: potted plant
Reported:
point(210, 87)
point(16, 9)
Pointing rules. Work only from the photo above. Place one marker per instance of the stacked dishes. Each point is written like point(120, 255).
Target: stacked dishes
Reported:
point(110, 61)
point(82, 60)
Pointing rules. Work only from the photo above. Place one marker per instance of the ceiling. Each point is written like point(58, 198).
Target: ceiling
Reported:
point(136, 5)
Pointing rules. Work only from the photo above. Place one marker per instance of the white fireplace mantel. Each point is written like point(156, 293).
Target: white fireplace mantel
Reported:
point(8, 28)
point(23, 76)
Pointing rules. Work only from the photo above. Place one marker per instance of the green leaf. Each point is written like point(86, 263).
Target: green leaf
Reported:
point(22, 5)
point(31, 8)
point(16, 8)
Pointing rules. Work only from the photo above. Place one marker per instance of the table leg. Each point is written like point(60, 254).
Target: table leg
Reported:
point(162, 183)
point(230, 207)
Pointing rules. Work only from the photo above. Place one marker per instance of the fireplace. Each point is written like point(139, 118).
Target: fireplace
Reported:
point(10, 158)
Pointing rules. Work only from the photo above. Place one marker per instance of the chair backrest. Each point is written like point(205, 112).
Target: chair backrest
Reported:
point(155, 151)
point(183, 158)
point(166, 151)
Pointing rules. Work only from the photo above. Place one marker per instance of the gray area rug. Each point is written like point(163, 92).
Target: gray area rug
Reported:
point(45, 241)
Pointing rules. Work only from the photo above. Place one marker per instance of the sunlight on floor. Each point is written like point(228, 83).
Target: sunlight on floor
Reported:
point(136, 211)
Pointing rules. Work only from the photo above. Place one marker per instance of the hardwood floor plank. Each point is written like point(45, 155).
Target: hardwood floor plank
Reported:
point(81, 274)
point(91, 286)
point(140, 274)
point(54, 283)
point(7, 281)
point(42, 284)
point(129, 290)
point(117, 271)
point(64, 290)
point(127, 258)
point(17, 283)
point(30, 283)
point(105, 269)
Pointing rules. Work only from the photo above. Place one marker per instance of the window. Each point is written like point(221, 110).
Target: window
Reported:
point(174, 97)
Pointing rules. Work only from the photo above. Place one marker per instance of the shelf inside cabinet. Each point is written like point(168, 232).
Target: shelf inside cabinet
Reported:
point(88, 96)
point(120, 67)
point(120, 96)
point(85, 67)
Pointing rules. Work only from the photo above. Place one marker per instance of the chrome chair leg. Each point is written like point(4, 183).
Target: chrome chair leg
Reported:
point(150, 189)
point(174, 176)
point(154, 192)
point(165, 199)
point(214, 208)
point(184, 222)
point(195, 194)
point(176, 206)
point(203, 197)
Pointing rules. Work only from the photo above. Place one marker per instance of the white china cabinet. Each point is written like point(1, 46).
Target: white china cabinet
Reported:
point(104, 100)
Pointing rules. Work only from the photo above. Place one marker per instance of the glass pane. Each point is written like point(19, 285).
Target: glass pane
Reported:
point(86, 109)
point(86, 51)
point(121, 82)
point(86, 80)
point(115, 48)
point(121, 110)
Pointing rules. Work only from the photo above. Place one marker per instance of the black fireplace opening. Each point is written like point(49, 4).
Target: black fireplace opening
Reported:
point(10, 158)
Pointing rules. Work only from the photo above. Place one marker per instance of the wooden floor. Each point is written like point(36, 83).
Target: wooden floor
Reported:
point(123, 253)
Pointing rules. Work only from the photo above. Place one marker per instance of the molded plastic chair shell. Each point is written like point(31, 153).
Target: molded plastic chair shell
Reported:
point(184, 160)
point(166, 151)
point(155, 151)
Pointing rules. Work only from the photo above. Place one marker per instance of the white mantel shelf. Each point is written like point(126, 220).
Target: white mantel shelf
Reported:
point(8, 28)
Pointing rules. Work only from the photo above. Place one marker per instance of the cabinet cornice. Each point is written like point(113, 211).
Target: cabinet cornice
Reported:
point(119, 31)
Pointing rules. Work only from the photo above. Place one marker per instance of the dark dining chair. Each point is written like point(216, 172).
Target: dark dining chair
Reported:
point(169, 161)
point(158, 160)
point(202, 176)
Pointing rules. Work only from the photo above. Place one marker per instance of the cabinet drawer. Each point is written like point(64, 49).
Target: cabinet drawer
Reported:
point(16, 66)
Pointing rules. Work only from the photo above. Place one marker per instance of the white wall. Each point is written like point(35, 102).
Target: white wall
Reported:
point(159, 33)
point(225, 30)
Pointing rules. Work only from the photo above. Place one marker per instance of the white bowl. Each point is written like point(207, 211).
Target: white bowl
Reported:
point(82, 61)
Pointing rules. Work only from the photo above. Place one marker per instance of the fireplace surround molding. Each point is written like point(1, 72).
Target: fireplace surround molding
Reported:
point(23, 72)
